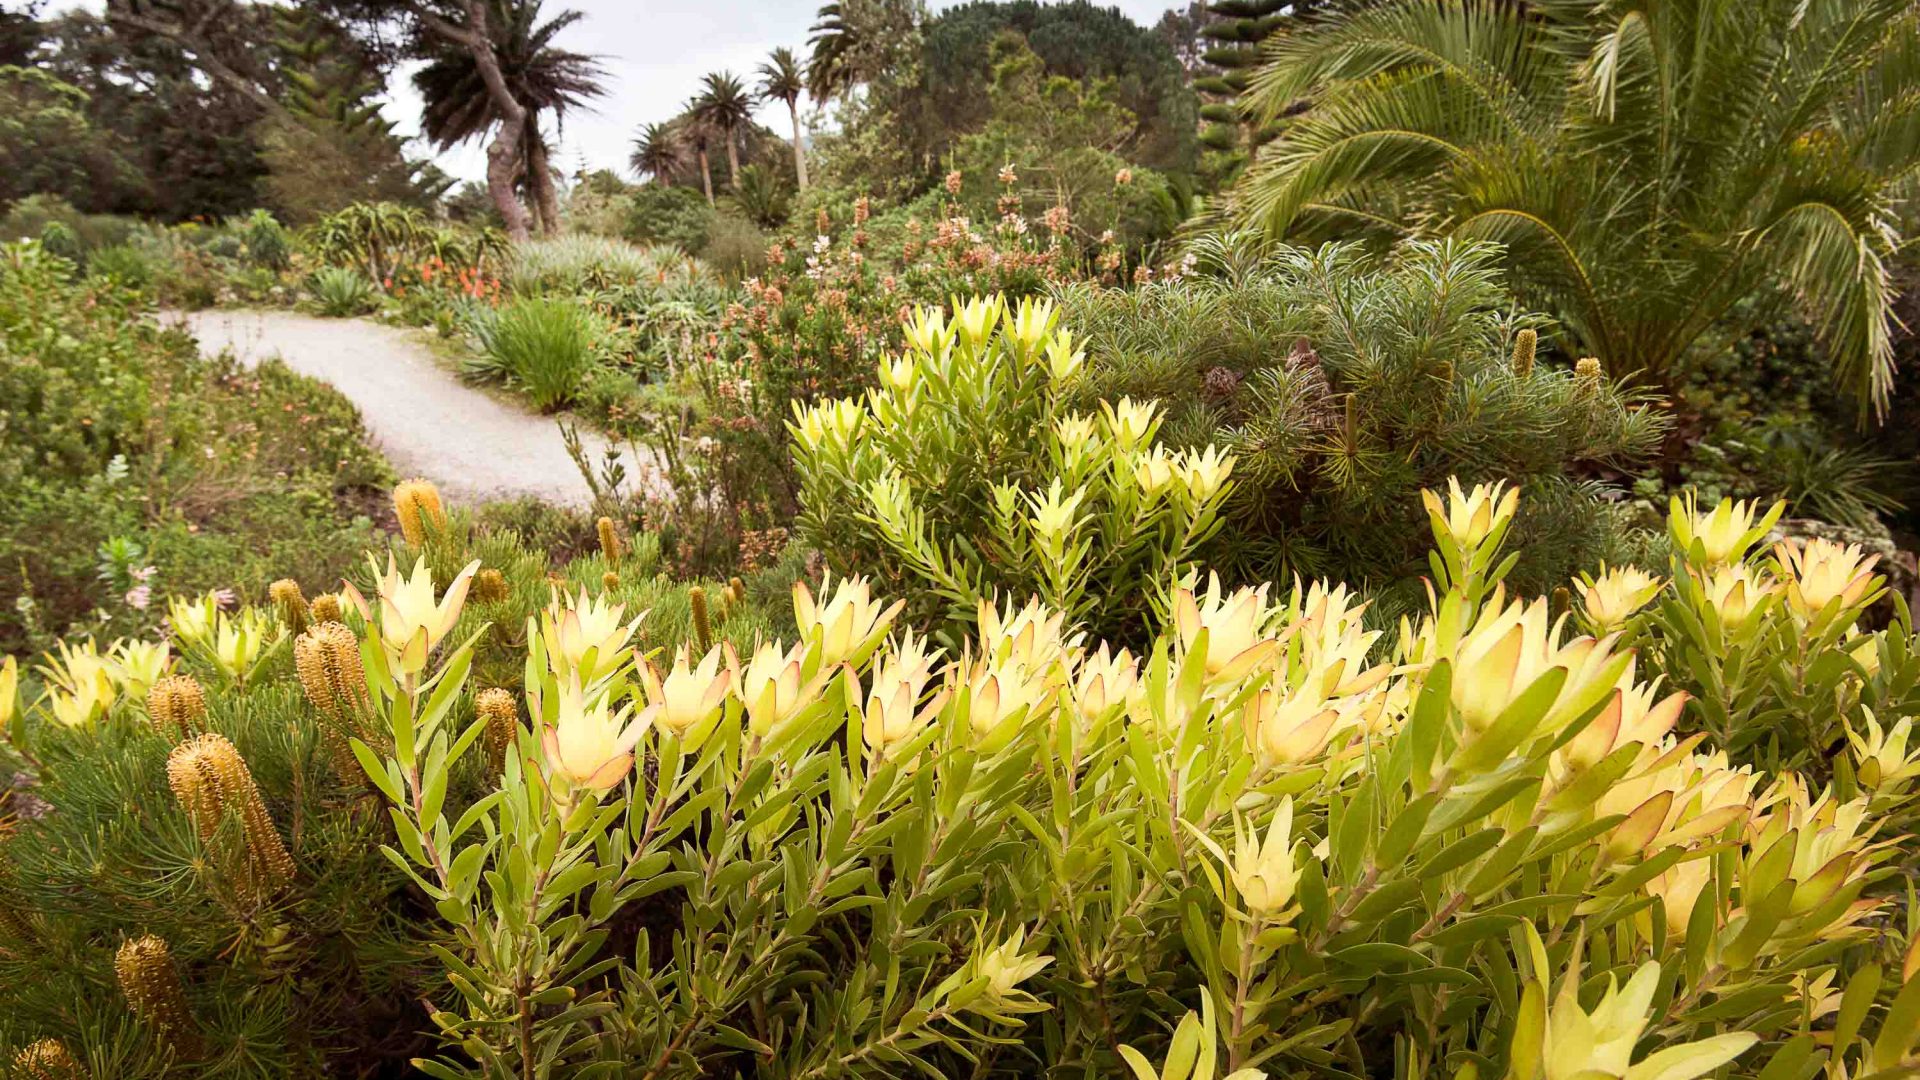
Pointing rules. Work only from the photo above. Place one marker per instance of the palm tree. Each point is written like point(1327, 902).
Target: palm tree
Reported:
point(834, 41)
point(541, 78)
point(659, 152)
point(699, 137)
point(725, 107)
point(1648, 165)
point(782, 80)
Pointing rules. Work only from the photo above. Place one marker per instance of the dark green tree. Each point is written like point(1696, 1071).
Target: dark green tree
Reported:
point(541, 77)
point(782, 79)
point(659, 151)
point(724, 107)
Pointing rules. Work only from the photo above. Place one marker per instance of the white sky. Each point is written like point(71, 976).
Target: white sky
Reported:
point(654, 52)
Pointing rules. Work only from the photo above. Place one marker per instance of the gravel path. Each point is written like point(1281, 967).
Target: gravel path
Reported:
point(421, 416)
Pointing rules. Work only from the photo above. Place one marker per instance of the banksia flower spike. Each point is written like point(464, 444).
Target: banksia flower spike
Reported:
point(212, 781)
point(151, 983)
point(609, 580)
point(417, 504)
point(176, 705)
point(1586, 376)
point(609, 540)
point(489, 587)
point(1525, 343)
point(325, 608)
point(48, 1059)
point(503, 720)
point(327, 659)
point(702, 619)
point(291, 605)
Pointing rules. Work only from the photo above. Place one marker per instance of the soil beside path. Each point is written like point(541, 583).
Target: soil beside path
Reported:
point(421, 416)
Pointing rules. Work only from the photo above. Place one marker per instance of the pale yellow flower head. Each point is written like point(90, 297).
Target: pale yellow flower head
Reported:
point(975, 317)
point(1635, 713)
point(928, 331)
point(1063, 360)
point(899, 374)
point(79, 669)
point(1616, 595)
point(894, 713)
point(1721, 535)
point(849, 626)
point(192, 619)
point(1055, 513)
point(1286, 728)
point(1035, 636)
point(1235, 624)
point(1263, 871)
point(1820, 572)
point(590, 744)
point(1471, 517)
point(1005, 696)
point(1130, 423)
point(689, 694)
point(240, 640)
point(1597, 1044)
point(1102, 682)
point(1735, 592)
point(1005, 966)
point(1885, 758)
point(141, 664)
point(836, 423)
point(1675, 798)
point(1029, 322)
point(585, 635)
point(413, 621)
point(772, 687)
point(9, 689)
point(1205, 472)
point(1155, 470)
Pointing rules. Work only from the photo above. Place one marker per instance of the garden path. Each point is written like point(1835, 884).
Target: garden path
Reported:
point(426, 421)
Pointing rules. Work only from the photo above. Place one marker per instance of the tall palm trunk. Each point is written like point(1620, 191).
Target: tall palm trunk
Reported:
point(733, 160)
point(503, 153)
point(706, 175)
point(540, 183)
point(799, 153)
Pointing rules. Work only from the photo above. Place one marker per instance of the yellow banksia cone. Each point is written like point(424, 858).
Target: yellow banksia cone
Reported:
point(489, 587)
point(417, 504)
point(48, 1059)
point(702, 619)
point(212, 781)
point(503, 719)
point(176, 705)
point(609, 580)
point(609, 540)
point(290, 603)
point(736, 591)
point(1525, 343)
point(327, 659)
point(144, 967)
point(1587, 375)
point(324, 608)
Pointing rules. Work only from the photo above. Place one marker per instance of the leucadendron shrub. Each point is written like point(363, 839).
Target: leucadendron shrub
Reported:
point(966, 475)
point(1500, 841)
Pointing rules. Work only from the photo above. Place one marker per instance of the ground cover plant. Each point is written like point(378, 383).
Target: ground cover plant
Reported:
point(131, 466)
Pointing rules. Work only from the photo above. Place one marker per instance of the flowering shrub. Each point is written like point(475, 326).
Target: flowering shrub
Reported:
point(1480, 846)
point(965, 476)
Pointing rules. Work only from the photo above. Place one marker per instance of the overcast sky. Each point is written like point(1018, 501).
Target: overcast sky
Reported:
point(655, 52)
